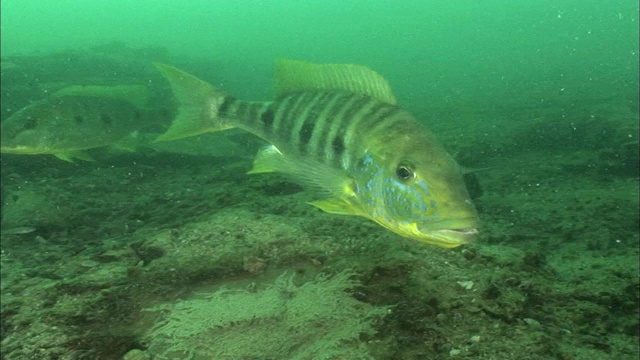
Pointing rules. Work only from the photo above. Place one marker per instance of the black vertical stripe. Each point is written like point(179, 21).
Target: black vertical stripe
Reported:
point(353, 109)
point(224, 107)
point(382, 117)
point(330, 119)
point(305, 133)
point(282, 109)
point(347, 119)
point(333, 119)
point(338, 106)
point(312, 120)
point(325, 121)
point(337, 145)
point(241, 109)
point(295, 108)
point(373, 115)
point(267, 117)
point(253, 112)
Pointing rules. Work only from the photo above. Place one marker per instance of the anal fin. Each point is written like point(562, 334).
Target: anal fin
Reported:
point(75, 154)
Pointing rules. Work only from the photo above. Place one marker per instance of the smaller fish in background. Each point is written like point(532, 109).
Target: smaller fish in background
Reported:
point(77, 118)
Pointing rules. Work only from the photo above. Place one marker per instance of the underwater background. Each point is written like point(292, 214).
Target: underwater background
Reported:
point(173, 252)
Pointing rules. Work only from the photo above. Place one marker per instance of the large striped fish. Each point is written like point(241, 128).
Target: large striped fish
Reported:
point(338, 128)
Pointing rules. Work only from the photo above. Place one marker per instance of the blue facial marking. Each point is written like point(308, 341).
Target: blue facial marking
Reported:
point(388, 198)
point(424, 187)
point(367, 160)
point(423, 206)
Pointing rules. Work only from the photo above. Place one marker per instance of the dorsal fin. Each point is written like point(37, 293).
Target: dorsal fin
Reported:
point(138, 95)
point(295, 76)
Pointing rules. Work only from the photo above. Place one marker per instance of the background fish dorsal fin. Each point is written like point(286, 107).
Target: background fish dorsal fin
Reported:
point(138, 95)
point(295, 76)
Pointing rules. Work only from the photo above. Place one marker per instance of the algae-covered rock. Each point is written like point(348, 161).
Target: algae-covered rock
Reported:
point(316, 320)
point(136, 354)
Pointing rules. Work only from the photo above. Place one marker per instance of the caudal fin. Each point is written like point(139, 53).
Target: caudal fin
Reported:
point(198, 104)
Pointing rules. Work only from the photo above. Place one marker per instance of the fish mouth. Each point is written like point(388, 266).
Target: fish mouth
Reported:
point(450, 234)
point(449, 238)
point(16, 149)
point(24, 150)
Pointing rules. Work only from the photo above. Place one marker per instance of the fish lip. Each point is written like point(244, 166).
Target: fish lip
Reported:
point(24, 150)
point(464, 236)
point(449, 238)
point(461, 225)
point(18, 149)
point(450, 233)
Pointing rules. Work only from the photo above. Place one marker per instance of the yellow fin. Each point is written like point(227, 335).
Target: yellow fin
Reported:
point(319, 177)
point(198, 104)
point(75, 154)
point(269, 159)
point(295, 76)
point(138, 95)
point(336, 206)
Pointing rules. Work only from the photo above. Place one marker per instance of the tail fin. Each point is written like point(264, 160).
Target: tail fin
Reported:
point(198, 104)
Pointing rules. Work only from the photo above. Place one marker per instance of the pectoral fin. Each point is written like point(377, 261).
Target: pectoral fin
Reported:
point(318, 177)
point(336, 206)
point(70, 155)
point(269, 159)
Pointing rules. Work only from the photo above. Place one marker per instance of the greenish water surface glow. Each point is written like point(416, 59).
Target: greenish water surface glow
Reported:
point(432, 51)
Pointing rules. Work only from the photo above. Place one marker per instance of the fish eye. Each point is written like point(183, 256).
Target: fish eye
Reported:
point(404, 172)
